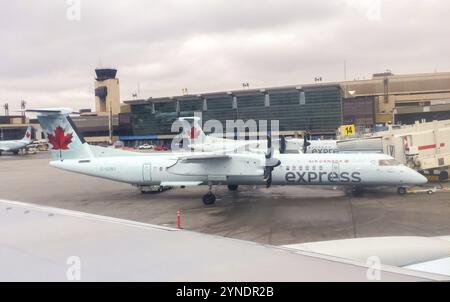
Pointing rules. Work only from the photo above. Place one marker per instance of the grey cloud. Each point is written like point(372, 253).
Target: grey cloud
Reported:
point(210, 45)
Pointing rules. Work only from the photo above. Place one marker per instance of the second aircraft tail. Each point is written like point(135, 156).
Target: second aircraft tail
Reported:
point(64, 140)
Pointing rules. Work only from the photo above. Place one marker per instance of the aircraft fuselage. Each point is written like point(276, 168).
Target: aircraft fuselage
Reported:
point(295, 169)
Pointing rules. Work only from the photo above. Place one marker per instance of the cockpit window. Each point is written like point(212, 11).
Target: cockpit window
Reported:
point(389, 162)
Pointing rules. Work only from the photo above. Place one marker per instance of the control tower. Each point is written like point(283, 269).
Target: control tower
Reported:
point(107, 93)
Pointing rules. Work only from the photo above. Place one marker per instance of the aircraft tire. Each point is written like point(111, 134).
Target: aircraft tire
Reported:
point(357, 191)
point(402, 191)
point(233, 187)
point(209, 198)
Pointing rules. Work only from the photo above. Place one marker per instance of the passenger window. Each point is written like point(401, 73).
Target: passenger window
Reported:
point(160, 168)
point(294, 168)
point(287, 168)
point(300, 168)
point(314, 168)
point(307, 168)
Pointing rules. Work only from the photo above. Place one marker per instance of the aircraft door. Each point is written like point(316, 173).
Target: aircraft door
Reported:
point(147, 172)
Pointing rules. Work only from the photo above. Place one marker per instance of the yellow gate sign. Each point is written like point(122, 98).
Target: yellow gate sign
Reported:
point(348, 130)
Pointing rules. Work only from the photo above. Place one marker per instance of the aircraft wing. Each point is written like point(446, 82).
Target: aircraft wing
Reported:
point(227, 146)
point(41, 243)
point(204, 158)
point(219, 166)
point(431, 255)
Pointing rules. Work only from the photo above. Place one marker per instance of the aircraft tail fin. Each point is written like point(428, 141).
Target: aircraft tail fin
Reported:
point(27, 135)
point(195, 134)
point(65, 142)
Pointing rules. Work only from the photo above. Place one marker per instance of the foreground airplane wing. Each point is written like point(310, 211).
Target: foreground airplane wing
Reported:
point(418, 253)
point(43, 244)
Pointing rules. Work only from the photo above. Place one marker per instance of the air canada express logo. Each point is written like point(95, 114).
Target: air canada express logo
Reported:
point(323, 177)
point(28, 134)
point(59, 140)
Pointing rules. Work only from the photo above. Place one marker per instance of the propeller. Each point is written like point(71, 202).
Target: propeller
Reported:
point(282, 144)
point(306, 143)
point(271, 163)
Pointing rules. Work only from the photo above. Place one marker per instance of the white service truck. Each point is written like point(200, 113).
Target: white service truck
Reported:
point(424, 146)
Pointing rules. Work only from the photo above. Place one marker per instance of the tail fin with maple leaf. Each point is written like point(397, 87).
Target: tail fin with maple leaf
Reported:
point(27, 136)
point(194, 134)
point(63, 138)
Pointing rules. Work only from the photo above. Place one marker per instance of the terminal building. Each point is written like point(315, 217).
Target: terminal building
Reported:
point(13, 127)
point(397, 99)
point(316, 108)
point(319, 108)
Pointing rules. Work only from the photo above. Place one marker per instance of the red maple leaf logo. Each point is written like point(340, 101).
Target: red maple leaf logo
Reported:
point(28, 134)
point(59, 141)
point(193, 133)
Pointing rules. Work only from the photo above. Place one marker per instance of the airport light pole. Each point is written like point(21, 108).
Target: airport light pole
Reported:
point(23, 104)
point(110, 123)
point(6, 107)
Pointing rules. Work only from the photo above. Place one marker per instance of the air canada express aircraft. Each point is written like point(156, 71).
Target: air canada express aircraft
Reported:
point(71, 152)
point(15, 146)
point(199, 141)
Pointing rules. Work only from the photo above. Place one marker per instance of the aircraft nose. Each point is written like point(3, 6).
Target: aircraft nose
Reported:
point(424, 180)
point(419, 179)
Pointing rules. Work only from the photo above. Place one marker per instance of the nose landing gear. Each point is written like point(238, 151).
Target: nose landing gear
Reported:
point(209, 198)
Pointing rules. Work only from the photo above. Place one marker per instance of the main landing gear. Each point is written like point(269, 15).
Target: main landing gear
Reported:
point(233, 187)
point(357, 191)
point(209, 198)
point(402, 191)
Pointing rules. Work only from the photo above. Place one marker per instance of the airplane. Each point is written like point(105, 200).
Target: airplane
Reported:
point(311, 146)
point(71, 152)
point(199, 141)
point(15, 146)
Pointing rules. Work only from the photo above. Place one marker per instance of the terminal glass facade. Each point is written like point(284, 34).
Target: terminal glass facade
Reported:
point(317, 109)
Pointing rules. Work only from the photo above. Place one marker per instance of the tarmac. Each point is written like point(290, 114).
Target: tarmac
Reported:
point(277, 216)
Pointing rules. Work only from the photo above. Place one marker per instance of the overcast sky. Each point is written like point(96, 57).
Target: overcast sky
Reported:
point(48, 52)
